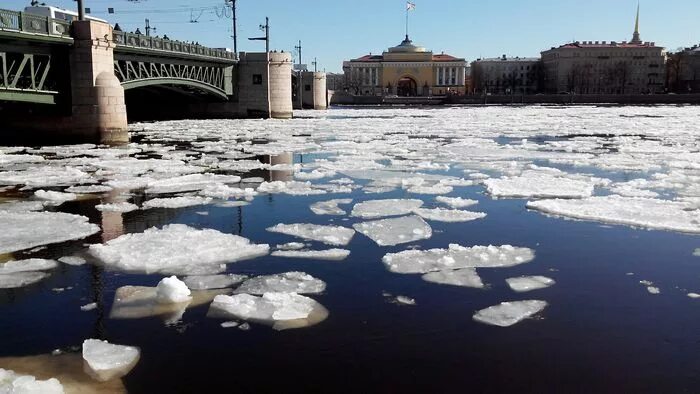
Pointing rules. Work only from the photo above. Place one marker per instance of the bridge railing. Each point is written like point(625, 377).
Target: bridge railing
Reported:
point(30, 23)
point(148, 42)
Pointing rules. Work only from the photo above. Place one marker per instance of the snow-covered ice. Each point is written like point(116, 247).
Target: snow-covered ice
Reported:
point(137, 302)
point(507, 314)
point(448, 215)
point(22, 206)
point(330, 207)
point(105, 361)
point(535, 184)
point(456, 257)
point(208, 282)
point(288, 282)
point(12, 267)
point(14, 383)
point(466, 277)
point(331, 235)
point(456, 202)
point(176, 202)
point(330, 254)
point(21, 279)
point(31, 229)
point(431, 190)
point(395, 231)
point(172, 291)
point(176, 249)
point(291, 246)
point(73, 260)
point(122, 207)
point(382, 208)
point(528, 283)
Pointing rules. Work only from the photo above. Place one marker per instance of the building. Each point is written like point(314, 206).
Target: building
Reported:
point(683, 71)
point(588, 67)
point(506, 75)
point(406, 70)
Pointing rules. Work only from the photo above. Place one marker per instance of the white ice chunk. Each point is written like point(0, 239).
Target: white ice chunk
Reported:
point(91, 189)
point(53, 196)
point(223, 192)
point(466, 277)
point(29, 265)
point(172, 291)
point(456, 202)
point(289, 282)
point(456, 257)
point(314, 175)
point(14, 383)
point(176, 202)
point(31, 229)
point(449, 215)
point(636, 212)
point(382, 208)
point(89, 307)
point(390, 232)
point(208, 282)
point(529, 283)
point(330, 254)
point(537, 184)
point(696, 253)
point(404, 300)
point(331, 235)
point(137, 302)
point(432, 190)
point(330, 207)
point(22, 206)
point(122, 207)
point(186, 183)
point(176, 249)
point(291, 246)
point(45, 177)
point(105, 361)
point(291, 188)
point(21, 279)
point(507, 314)
point(73, 260)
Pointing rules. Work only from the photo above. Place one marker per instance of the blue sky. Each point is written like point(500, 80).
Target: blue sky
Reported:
point(334, 30)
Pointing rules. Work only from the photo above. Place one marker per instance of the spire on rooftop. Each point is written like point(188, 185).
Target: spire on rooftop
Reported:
point(635, 37)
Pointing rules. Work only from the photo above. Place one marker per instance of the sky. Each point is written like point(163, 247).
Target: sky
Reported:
point(332, 30)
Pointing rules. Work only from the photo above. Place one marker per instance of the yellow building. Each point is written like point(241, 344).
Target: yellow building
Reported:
point(406, 70)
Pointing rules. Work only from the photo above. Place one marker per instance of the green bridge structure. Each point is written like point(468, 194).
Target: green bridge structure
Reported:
point(81, 81)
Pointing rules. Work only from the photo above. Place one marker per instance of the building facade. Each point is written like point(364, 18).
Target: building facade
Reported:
point(406, 70)
point(683, 71)
point(588, 67)
point(504, 75)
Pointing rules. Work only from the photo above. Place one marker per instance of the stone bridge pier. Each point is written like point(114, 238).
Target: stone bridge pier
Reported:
point(98, 106)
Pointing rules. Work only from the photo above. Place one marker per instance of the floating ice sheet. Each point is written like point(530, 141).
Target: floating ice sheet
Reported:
point(176, 249)
point(466, 277)
point(122, 207)
point(289, 282)
point(31, 229)
point(449, 215)
point(172, 291)
point(382, 208)
point(91, 189)
point(529, 283)
point(223, 192)
point(534, 184)
point(456, 257)
point(186, 183)
point(137, 302)
point(636, 212)
point(45, 177)
point(507, 314)
point(330, 207)
point(280, 310)
point(176, 202)
point(208, 282)
point(29, 265)
point(21, 279)
point(11, 382)
point(330, 254)
point(390, 232)
point(105, 361)
point(456, 202)
point(433, 190)
point(331, 235)
point(22, 206)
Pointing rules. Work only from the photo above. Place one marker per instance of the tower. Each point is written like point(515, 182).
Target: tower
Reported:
point(635, 37)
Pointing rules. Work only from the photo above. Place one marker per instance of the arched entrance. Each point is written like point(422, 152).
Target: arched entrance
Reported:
point(407, 87)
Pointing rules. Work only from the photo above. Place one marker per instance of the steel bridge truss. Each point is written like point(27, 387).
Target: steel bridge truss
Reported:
point(208, 78)
point(25, 77)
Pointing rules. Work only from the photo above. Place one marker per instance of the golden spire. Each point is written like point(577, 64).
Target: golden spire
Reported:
point(635, 37)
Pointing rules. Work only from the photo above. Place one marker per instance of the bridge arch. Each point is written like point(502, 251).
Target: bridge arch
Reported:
point(182, 82)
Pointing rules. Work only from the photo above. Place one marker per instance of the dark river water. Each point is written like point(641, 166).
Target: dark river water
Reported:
point(601, 332)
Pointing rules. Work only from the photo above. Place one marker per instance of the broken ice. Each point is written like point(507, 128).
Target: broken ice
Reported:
point(105, 361)
point(391, 232)
point(331, 235)
point(11, 382)
point(529, 283)
point(289, 282)
point(382, 208)
point(466, 277)
point(449, 215)
point(330, 207)
point(330, 254)
point(507, 314)
point(31, 229)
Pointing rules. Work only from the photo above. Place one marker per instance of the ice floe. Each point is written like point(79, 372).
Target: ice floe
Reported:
point(172, 291)
point(137, 302)
point(208, 282)
point(456, 257)
point(188, 183)
point(466, 277)
point(291, 246)
point(330, 254)
point(29, 265)
point(330, 207)
point(11, 383)
point(22, 206)
point(331, 235)
point(448, 215)
point(31, 229)
point(73, 260)
point(91, 189)
point(223, 192)
point(121, 207)
point(105, 361)
point(507, 314)
point(176, 249)
point(21, 279)
point(636, 212)
point(382, 208)
point(529, 283)
point(536, 184)
point(280, 310)
point(53, 196)
point(395, 231)
point(289, 282)
point(176, 202)
point(433, 190)
point(456, 202)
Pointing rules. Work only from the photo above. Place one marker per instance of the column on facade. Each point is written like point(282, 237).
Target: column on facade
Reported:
point(442, 72)
point(437, 75)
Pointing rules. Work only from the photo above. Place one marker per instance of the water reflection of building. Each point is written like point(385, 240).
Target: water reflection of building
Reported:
point(406, 70)
point(284, 174)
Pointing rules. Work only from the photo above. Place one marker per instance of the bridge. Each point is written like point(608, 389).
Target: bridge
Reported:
point(84, 76)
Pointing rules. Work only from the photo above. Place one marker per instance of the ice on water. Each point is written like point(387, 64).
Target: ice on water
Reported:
point(382, 208)
point(30, 265)
point(176, 249)
point(172, 291)
point(208, 282)
point(330, 207)
point(288, 282)
point(636, 212)
point(21, 279)
point(456, 202)
point(11, 383)
point(507, 314)
point(448, 215)
point(330, 254)
point(466, 277)
point(395, 231)
point(105, 361)
point(53, 196)
point(529, 283)
point(120, 207)
point(176, 202)
point(457, 257)
point(32, 229)
point(537, 184)
point(331, 235)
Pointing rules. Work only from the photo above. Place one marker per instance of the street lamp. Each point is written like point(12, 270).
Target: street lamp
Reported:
point(235, 30)
point(81, 10)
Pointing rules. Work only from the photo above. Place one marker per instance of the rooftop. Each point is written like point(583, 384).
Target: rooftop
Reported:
point(605, 44)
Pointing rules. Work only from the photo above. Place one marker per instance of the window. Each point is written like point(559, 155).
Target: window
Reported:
point(257, 79)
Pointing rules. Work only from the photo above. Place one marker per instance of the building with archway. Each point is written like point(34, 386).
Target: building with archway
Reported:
point(406, 70)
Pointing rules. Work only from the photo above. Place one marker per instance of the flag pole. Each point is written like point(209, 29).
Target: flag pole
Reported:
point(407, 21)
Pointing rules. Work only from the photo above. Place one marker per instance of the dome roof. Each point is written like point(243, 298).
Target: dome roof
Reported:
point(407, 46)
